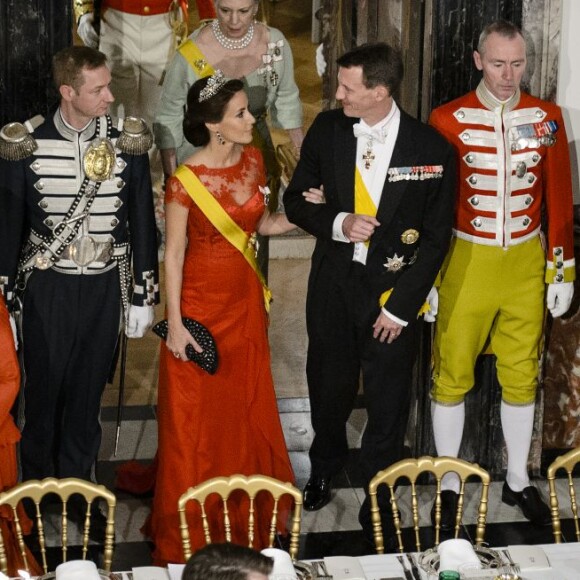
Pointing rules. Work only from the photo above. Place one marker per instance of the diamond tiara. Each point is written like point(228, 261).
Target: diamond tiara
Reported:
point(214, 83)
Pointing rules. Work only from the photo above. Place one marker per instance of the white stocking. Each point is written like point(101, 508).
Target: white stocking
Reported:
point(448, 424)
point(517, 422)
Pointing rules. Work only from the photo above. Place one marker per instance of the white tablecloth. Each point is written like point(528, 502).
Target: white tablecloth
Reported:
point(564, 565)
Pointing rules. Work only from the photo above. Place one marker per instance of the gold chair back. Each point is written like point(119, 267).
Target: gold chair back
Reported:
point(251, 485)
point(411, 469)
point(567, 462)
point(36, 490)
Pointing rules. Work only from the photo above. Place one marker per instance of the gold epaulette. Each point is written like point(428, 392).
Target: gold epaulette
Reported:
point(16, 142)
point(82, 7)
point(136, 137)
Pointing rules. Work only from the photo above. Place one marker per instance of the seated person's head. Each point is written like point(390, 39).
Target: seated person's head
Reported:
point(227, 562)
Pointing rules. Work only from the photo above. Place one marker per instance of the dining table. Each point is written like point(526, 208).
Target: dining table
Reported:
point(562, 562)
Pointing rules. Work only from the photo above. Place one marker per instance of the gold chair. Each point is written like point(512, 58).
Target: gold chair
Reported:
point(251, 485)
point(411, 469)
point(36, 490)
point(567, 462)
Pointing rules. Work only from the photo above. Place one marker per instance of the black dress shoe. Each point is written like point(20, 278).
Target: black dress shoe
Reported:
point(529, 501)
point(316, 493)
point(449, 500)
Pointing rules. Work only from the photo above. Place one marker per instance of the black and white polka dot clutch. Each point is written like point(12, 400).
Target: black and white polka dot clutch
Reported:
point(208, 359)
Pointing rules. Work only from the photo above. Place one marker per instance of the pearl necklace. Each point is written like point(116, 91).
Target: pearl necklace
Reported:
point(230, 43)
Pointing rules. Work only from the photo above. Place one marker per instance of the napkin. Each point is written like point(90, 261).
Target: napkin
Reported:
point(283, 567)
point(175, 571)
point(150, 573)
point(529, 557)
point(344, 568)
point(77, 570)
point(454, 552)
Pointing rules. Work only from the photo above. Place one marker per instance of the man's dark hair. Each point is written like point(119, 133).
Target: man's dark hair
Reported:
point(208, 111)
point(501, 27)
point(68, 65)
point(226, 562)
point(381, 65)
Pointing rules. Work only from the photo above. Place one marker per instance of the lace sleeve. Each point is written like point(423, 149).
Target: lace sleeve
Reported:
point(174, 191)
point(255, 155)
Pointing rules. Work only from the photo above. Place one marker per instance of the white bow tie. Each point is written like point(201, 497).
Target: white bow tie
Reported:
point(376, 135)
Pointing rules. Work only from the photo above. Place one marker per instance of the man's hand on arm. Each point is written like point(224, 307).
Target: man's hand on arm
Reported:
point(359, 227)
point(387, 329)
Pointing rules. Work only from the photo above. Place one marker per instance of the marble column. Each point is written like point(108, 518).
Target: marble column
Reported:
point(32, 31)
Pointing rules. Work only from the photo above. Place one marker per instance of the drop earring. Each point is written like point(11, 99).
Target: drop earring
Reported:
point(220, 139)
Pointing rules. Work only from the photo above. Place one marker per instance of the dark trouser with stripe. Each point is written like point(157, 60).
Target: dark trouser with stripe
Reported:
point(70, 326)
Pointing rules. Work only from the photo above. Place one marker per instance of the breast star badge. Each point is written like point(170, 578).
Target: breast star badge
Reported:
point(395, 263)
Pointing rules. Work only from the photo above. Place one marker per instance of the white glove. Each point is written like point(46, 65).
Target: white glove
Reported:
point(433, 301)
point(559, 298)
point(139, 320)
point(86, 30)
point(14, 331)
point(320, 60)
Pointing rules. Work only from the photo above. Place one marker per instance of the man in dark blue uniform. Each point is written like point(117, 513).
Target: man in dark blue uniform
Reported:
point(79, 253)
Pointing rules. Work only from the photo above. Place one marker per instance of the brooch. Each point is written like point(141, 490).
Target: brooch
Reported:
point(265, 191)
point(253, 243)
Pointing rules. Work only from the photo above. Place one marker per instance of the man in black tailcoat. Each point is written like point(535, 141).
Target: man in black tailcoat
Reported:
point(389, 182)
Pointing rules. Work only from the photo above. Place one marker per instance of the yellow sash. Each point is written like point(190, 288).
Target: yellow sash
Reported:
point(225, 225)
point(363, 202)
point(191, 53)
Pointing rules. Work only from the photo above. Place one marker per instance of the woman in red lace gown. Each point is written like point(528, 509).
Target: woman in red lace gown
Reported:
point(226, 423)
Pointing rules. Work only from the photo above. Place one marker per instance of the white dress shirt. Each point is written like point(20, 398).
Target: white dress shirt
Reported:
point(374, 176)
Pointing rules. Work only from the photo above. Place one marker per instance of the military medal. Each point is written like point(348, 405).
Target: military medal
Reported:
point(395, 263)
point(99, 160)
point(532, 135)
point(415, 173)
point(409, 236)
point(368, 155)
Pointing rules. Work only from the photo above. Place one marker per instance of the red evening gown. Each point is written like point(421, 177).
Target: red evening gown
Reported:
point(225, 423)
point(9, 437)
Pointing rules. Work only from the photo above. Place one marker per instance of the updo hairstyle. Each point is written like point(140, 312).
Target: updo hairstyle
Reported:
point(208, 111)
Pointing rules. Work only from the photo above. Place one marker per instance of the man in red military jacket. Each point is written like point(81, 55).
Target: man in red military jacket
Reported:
point(513, 163)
